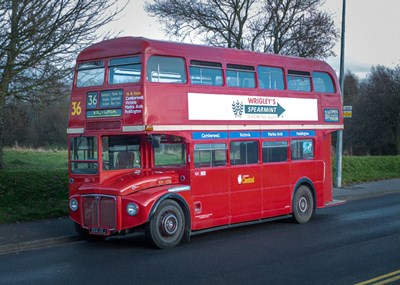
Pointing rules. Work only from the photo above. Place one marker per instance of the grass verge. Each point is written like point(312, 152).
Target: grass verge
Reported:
point(369, 168)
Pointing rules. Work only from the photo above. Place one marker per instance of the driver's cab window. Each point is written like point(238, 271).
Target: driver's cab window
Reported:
point(120, 152)
point(169, 151)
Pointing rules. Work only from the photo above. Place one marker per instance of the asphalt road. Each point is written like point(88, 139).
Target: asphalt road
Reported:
point(346, 244)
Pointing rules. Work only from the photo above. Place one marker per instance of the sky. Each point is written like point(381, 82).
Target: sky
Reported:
point(372, 35)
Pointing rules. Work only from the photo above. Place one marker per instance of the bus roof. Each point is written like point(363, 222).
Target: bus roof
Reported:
point(124, 46)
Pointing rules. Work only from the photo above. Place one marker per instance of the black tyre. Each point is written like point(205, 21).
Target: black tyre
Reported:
point(303, 205)
point(167, 226)
point(84, 234)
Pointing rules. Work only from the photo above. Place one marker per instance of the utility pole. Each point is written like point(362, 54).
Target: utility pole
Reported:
point(339, 142)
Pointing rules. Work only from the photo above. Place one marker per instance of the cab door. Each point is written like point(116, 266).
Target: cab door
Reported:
point(210, 185)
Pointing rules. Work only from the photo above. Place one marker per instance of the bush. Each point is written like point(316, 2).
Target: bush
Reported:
point(28, 195)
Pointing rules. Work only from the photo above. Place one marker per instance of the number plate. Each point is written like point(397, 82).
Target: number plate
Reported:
point(99, 231)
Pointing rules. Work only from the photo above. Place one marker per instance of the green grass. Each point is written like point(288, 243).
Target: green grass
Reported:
point(34, 184)
point(28, 159)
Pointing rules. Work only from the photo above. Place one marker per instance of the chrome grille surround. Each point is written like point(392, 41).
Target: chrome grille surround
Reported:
point(99, 211)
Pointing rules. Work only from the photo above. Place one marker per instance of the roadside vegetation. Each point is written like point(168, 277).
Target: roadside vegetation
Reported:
point(34, 183)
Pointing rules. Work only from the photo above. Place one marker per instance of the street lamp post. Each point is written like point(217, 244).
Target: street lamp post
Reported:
point(339, 142)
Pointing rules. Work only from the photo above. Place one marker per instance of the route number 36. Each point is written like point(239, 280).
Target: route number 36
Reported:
point(76, 108)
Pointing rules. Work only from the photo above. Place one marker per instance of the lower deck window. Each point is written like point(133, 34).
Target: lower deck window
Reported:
point(275, 151)
point(209, 155)
point(302, 149)
point(244, 152)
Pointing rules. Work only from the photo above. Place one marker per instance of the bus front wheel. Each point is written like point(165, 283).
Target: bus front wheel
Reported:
point(167, 226)
point(303, 205)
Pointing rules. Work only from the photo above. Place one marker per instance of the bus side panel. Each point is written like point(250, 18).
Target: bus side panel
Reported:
point(209, 187)
point(302, 169)
point(327, 157)
point(245, 193)
point(276, 190)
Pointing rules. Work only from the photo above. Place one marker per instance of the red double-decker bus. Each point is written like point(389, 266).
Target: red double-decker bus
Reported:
point(177, 139)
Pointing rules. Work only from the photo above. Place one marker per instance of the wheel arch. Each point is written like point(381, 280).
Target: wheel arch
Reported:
point(184, 206)
point(306, 182)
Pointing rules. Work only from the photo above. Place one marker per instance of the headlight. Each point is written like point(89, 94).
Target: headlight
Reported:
point(132, 209)
point(73, 204)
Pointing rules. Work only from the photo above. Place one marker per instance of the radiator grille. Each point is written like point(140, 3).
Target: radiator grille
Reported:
point(99, 211)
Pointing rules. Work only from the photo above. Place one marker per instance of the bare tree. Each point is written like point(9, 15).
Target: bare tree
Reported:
point(38, 41)
point(291, 27)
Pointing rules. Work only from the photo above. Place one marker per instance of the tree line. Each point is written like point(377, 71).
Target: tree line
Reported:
point(374, 128)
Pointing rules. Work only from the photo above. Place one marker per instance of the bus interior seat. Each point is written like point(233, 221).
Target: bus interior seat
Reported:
point(125, 159)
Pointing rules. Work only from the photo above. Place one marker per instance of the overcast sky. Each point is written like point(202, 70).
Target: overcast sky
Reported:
point(372, 31)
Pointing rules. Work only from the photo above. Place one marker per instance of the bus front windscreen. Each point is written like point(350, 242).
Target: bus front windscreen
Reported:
point(120, 152)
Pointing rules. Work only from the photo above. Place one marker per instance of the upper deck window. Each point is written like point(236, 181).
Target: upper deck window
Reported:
point(205, 73)
point(270, 78)
point(90, 74)
point(299, 81)
point(166, 69)
point(124, 70)
point(322, 82)
point(240, 76)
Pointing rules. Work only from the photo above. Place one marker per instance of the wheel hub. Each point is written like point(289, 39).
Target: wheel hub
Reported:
point(169, 224)
point(303, 204)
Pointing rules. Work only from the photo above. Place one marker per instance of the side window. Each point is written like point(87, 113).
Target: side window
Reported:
point(322, 82)
point(240, 76)
point(124, 70)
point(83, 155)
point(270, 78)
point(205, 73)
point(299, 81)
point(243, 152)
point(302, 149)
point(166, 69)
point(275, 151)
point(209, 155)
point(169, 151)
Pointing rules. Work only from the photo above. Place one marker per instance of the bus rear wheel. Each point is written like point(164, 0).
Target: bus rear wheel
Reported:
point(303, 205)
point(167, 226)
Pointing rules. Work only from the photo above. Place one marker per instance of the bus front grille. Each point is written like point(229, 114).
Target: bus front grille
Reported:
point(99, 211)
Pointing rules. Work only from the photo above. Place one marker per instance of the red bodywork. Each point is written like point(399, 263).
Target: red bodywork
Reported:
point(211, 197)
